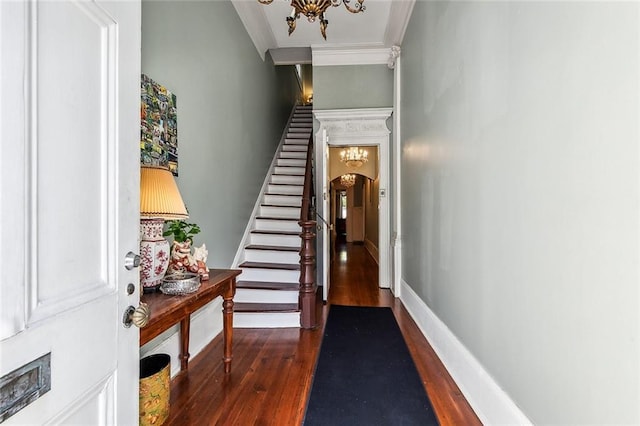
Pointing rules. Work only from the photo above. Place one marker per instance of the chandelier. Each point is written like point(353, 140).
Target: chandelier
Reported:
point(313, 9)
point(354, 157)
point(348, 180)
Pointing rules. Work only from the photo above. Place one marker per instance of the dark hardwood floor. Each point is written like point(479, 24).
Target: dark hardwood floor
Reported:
point(272, 369)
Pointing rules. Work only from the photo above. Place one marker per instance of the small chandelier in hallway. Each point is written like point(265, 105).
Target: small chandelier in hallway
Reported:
point(313, 9)
point(354, 157)
point(348, 180)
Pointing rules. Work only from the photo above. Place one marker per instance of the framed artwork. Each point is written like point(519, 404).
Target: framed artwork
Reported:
point(158, 126)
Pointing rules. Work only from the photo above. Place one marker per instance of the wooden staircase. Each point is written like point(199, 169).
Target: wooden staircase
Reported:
point(268, 288)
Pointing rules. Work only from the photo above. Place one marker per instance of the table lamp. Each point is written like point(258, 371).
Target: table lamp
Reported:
point(160, 200)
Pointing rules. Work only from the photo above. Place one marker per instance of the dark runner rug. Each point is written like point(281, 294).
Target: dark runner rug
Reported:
point(365, 374)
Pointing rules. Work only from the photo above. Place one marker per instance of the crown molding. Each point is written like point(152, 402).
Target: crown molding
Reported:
point(361, 55)
point(399, 16)
point(255, 23)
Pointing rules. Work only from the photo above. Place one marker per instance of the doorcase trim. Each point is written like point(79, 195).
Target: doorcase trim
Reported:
point(362, 127)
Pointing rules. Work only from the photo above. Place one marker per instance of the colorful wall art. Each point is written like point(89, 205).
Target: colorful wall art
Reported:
point(159, 128)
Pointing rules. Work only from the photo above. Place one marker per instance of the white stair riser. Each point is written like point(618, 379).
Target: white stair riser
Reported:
point(282, 200)
point(296, 162)
point(297, 171)
point(292, 180)
point(270, 275)
point(301, 137)
point(289, 147)
point(275, 240)
point(277, 211)
point(298, 155)
point(277, 225)
point(295, 144)
point(285, 189)
point(271, 256)
point(250, 295)
point(266, 320)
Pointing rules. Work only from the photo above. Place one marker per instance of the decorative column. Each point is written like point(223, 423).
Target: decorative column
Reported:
point(395, 64)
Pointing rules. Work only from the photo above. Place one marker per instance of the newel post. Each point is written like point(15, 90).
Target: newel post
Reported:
point(308, 287)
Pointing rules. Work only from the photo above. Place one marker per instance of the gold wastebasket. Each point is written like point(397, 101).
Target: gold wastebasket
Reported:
point(155, 385)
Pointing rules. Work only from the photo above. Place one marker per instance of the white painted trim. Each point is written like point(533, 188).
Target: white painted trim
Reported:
point(255, 23)
point(362, 55)
point(399, 16)
point(396, 286)
point(344, 127)
point(353, 114)
point(372, 249)
point(266, 320)
point(490, 402)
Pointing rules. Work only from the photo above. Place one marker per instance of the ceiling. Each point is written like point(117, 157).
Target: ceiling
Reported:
point(377, 29)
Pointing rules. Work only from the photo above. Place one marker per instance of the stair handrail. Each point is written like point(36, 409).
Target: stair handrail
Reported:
point(308, 286)
point(315, 212)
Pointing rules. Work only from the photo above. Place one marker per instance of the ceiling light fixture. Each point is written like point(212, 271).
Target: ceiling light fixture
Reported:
point(313, 9)
point(348, 180)
point(354, 157)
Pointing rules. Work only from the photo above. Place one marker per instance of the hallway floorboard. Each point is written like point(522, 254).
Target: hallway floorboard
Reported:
point(272, 368)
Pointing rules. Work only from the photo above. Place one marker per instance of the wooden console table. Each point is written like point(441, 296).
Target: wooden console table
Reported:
point(169, 310)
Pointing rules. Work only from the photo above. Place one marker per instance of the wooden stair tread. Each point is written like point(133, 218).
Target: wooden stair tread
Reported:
point(286, 184)
point(280, 205)
point(267, 265)
point(275, 248)
point(265, 307)
point(267, 285)
point(270, 232)
point(283, 195)
point(277, 218)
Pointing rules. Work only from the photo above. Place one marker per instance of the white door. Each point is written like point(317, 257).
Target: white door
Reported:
point(69, 201)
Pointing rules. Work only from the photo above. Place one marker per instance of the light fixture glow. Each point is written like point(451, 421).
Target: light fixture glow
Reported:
point(348, 180)
point(354, 157)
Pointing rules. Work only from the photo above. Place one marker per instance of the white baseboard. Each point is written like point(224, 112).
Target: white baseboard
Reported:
point(206, 324)
point(266, 320)
point(372, 249)
point(490, 402)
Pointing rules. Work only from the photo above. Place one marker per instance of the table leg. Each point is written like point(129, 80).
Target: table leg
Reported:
point(227, 320)
point(185, 325)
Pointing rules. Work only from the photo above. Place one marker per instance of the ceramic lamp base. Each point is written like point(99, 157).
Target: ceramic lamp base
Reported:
point(154, 254)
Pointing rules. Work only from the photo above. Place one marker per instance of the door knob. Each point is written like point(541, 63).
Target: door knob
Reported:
point(131, 260)
point(137, 316)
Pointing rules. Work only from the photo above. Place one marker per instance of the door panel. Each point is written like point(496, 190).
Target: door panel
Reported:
point(76, 76)
point(69, 200)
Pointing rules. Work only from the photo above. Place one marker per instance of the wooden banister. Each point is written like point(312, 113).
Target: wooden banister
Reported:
point(308, 286)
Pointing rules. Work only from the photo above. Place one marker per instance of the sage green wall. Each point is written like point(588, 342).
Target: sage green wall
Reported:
point(520, 192)
point(232, 109)
point(352, 86)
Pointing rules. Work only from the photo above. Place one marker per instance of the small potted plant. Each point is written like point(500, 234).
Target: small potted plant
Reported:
point(181, 258)
point(181, 231)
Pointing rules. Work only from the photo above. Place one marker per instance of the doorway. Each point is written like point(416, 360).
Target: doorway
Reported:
point(365, 128)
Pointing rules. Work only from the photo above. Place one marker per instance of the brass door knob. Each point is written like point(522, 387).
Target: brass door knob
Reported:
point(137, 316)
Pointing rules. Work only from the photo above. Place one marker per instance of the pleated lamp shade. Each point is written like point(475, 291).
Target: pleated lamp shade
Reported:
point(159, 195)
